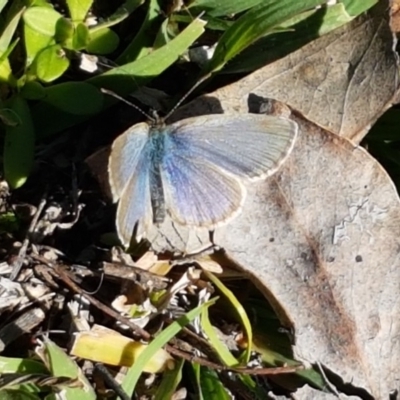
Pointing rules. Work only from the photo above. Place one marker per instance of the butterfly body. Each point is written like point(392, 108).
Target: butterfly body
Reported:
point(193, 170)
point(155, 151)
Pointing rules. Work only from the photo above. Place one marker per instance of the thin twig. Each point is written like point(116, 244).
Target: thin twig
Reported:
point(111, 382)
point(62, 274)
point(17, 264)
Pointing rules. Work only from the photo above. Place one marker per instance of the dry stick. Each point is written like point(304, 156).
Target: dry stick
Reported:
point(111, 381)
point(60, 273)
point(21, 325)
point(268, 370)
point(17, 264)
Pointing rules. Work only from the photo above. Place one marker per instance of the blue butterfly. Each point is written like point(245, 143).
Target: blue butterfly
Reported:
point(192, 170)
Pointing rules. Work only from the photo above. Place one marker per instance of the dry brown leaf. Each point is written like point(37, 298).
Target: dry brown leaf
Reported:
point(323, 236)
point(342, 81)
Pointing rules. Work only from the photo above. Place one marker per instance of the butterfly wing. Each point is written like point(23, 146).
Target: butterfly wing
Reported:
point(251, 145)
point(134, 207)
point(124, 158)
point(198, 193)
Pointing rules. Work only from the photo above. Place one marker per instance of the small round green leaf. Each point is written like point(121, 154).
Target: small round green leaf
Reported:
point(35, 42)
point(81, 37)
point(51, 63)
point(19, 144)
point(64, 30)
point(78, 9)
point(42, 19)
point(77, 98)
point(102, 41)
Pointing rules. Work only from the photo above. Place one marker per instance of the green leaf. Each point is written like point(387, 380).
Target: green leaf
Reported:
point(253, 25)
point(238, 309)
point(81, 37)
point(64, 30)
point(123, 80)
point(6, 74)
point(357, 7)
point(168, 30)
point(170, 381)
point(131, 76)
point(33, 91)
point(142, 44)
point(9, 31)
point(19, 144)
point(63, 366)
point(11, 394)
point(42, 19)
point(79, 98)
point(196, 368)
point(78, 9)
point(219, 347)
point(10, 365)
point(102, 41)
point(158, 342)
point(40, 3)
point(3, 3)
point(51, 63)
point(301, 29)
point(119, 15)
point(29, 366)
point(5, 55)
point(305, 28)
point(210, 385)
point(218, 8)
point(35, 42)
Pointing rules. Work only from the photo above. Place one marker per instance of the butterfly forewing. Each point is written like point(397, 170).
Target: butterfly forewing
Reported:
point(125, 154)
point(251, 145)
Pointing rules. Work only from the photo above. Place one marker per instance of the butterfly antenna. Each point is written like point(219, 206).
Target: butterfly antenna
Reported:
point(111, 93)
point(188, 93)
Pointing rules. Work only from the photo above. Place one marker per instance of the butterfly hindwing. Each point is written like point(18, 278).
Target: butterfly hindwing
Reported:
point(134, 208)
point(198, 193)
